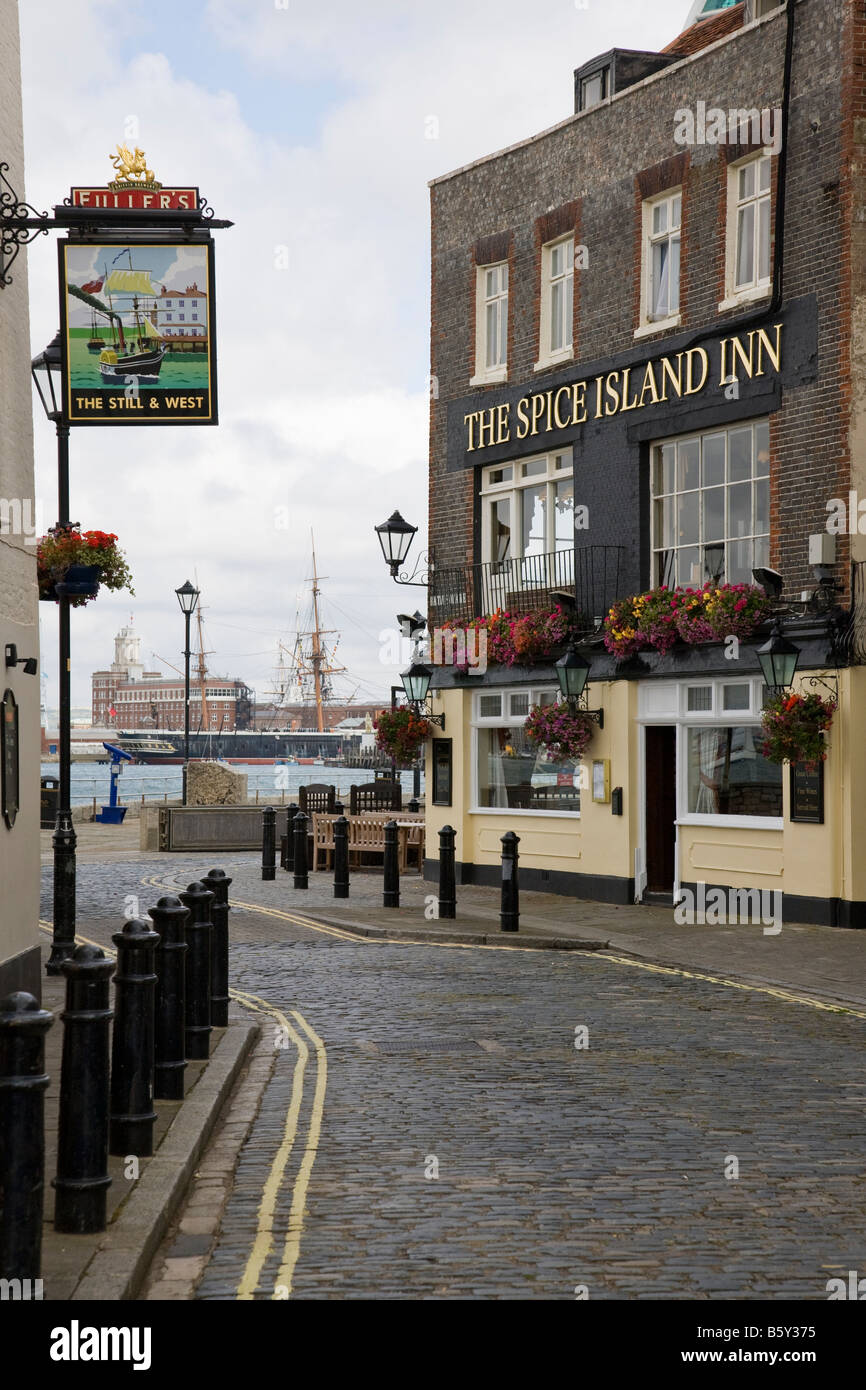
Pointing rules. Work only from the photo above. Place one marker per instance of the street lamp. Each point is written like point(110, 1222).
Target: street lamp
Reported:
point(572, 672)
point(395, 537)
point(187, 597)
point(416, 683)
point(46, 370)
point(778, 658)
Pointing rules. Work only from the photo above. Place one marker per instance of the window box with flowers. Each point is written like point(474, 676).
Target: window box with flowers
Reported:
point(81, 561)
point(658, 619)
point(794, 727)
point(515, 639)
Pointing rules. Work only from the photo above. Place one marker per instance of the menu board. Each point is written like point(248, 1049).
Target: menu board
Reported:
point(807, 793)
point(442, 771)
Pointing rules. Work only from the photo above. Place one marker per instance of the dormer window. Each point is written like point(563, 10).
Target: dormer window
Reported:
point(594, 88)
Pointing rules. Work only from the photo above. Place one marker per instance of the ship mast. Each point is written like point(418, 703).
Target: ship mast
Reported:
point(202, 671)
point(318, 656)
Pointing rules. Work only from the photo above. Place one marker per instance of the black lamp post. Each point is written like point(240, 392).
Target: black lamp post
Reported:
point(187, 597)
point(47, 374)
point(572, 672)
point(778, 658)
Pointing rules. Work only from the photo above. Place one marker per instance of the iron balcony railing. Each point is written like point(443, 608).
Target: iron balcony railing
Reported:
point(589, 576)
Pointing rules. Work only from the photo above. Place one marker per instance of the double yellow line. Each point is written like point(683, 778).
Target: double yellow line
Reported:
point(263, 1243)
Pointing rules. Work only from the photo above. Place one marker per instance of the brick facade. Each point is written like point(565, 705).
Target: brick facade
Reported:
point(600, 163)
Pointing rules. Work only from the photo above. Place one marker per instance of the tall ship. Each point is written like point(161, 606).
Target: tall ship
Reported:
point(133, 347)
point(294, 725)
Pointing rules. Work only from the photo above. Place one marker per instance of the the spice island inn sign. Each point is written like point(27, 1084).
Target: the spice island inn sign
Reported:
point(696, 377)
point(655, 382)
point(137, 301)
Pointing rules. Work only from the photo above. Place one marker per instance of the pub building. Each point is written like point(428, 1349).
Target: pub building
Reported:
point(645, 340)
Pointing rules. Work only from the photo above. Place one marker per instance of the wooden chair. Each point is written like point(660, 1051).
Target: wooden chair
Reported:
point(367, 835)
point(382, 795)
point(317, 796)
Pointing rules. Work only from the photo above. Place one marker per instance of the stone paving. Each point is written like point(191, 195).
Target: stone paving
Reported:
point(601, 1167)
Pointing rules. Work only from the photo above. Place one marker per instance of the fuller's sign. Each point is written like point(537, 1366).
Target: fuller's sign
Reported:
point(137, 304)
point(721, 366)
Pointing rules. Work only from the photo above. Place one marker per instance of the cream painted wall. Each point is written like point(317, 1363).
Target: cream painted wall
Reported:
point(19, 847)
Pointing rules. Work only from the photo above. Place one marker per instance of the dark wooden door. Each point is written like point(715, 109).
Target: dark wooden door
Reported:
point(661, 807)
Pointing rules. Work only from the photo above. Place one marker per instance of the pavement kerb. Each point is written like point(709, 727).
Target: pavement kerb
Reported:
point(118, 1268)
point(498, 938)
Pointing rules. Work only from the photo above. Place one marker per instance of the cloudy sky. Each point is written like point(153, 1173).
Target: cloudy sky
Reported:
point(314, 125)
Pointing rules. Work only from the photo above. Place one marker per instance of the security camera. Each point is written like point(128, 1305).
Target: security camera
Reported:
point(770, 581)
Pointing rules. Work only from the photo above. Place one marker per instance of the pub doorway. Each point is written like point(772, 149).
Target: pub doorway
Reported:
point(660, 812)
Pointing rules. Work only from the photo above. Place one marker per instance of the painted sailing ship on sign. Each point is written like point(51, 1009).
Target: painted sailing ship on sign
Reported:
point(137, 307)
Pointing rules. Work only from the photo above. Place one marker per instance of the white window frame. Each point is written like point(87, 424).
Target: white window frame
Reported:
point(656, 547)
point(716, 716)
point(761, 288)
point(499, 372)
point(649, 325)
point(547, 355)
point(504, 721)
point(511, 488)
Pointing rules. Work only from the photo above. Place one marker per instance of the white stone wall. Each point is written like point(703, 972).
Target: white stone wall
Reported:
point(19, 847)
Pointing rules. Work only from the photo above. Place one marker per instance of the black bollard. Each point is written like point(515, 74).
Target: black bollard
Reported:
point(413, 806)
point(82, 1180)
point(509, 915)
point(169, 920)
point(391, 867)
point(217, 881)
point(447, 881)
point(291, 812)
point(339, 808)
point(23, 1026)
point(341, 857)
point(300, 855)
point(416, 780)
point(132, 1042)
point(197, 1024)
point(269, 843)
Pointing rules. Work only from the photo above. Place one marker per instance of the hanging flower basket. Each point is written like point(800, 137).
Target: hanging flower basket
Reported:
point(794, 727)
point(74, 563)
point(564, 733)
point(401, 733)
point(661, 617)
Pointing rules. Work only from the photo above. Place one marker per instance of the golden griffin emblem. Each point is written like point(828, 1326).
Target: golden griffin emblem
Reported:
point(131, 167)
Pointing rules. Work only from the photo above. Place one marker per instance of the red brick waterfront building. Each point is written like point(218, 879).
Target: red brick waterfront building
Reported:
point(125, 696)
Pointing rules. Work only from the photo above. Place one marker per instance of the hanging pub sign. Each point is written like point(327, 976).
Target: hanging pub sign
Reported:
point(137, 302)
point(137, 332)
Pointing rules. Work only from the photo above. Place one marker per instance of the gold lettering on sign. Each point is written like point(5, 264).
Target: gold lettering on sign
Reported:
point(682, 374)
point(649, 382)
point(675, 379)
point(705, 367)
point(774, 354)
point(560, 423)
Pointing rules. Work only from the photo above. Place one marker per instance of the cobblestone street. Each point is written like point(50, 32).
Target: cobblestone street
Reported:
point(430, 1129)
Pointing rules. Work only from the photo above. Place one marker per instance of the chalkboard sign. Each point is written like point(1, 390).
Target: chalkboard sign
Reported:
point(9, 790)
point(807, 793)
point(442, 771)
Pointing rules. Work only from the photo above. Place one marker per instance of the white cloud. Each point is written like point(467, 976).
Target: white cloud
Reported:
point(323, 365)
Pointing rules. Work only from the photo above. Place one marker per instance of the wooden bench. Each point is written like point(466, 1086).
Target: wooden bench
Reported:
point(367, 836)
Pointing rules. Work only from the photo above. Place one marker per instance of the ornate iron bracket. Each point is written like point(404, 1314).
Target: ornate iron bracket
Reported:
point(829, 682)
point(582, 706)
point(422, 567)
point(19, 224)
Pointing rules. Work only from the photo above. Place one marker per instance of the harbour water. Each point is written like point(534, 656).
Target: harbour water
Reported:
point(89, 780)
